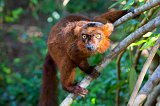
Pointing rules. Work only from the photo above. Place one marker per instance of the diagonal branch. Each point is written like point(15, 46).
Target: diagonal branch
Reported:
point(147, 6)
point(148, 87)
point(143, 72)
point(151, 100)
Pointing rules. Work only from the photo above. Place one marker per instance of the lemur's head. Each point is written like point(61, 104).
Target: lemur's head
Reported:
point(94, 36)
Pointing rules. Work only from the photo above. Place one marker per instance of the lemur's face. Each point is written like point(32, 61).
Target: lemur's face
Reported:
point(94, 37)
point(91, 37)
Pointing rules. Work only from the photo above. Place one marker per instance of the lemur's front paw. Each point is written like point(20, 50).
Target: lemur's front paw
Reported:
point(80, 91)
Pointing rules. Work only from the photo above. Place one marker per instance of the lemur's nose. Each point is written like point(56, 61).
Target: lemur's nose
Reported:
point(90, 47)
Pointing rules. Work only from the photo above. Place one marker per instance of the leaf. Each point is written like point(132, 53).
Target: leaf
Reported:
point(118, 2)
point(138, 43)
point(17, 12)
point(147, 34)
point(119, 84)
point(150, 42)
point(34, 1)
point(128, 4)
point(132, 77)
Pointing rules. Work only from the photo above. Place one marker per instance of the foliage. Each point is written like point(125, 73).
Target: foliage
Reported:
point(20, 76)
point(22, 56)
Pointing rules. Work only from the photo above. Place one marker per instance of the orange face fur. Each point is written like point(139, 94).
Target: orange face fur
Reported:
point(94, 37)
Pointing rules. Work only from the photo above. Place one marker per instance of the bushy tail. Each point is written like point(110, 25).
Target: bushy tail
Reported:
point(110, 16)
point(49, 93)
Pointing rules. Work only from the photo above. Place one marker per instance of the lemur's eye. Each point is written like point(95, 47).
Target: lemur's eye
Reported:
point(84, 36)
point(98, 36)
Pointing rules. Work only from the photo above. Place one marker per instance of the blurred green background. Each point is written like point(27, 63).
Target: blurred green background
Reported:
point(25, 25)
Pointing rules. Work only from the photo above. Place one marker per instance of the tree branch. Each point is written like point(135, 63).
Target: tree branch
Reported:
point(147, 6)
point(119, 77)
point(148, 87)
point(152, 97)
point(143, 72)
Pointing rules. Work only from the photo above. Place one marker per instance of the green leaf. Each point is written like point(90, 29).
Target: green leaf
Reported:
point(150, 42)
point(132, 77)
point(17, 12)
point(113, 5)
point(148, 34)
point(93, 101)
point(34, 1)
point(128, 4)
point(119, 84)
point(138, 43)
point(8, 19)
point(17, 60)
point(7, 70)
point(141, 0)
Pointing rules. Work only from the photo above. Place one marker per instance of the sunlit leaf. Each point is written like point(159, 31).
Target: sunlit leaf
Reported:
point(150, 42)
point(147, 34)
point(138, 43)
point(93, 101)
point(141, 0)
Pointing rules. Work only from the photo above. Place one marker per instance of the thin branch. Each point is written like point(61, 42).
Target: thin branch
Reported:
point(119, 77)
point(148, 87)
point(137, 56)
point(143, 72)
point(147, 6)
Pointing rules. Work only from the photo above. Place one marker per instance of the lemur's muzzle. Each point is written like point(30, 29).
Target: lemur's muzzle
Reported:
point(91, 47)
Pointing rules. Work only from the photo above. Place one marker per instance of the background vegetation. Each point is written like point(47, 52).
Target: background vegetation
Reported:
point(24, 29)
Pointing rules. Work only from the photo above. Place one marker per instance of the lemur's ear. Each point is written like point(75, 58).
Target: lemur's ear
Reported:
point(77, 30)
point(108, 28)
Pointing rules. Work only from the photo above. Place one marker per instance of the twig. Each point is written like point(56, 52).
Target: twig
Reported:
point(143, 72)
point(137, 57)
point(118, 77)
point(147, 6)
point(148, 87)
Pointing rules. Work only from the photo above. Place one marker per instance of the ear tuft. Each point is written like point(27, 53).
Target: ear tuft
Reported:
point(78, 27)
point(77, 30)
point(108, 28)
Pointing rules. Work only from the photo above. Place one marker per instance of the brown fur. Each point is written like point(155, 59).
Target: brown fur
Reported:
point(69, 50)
